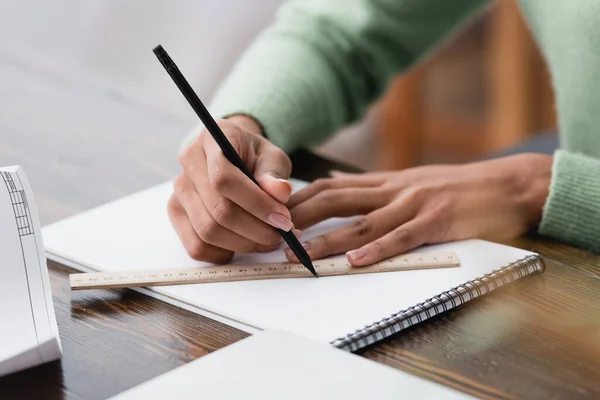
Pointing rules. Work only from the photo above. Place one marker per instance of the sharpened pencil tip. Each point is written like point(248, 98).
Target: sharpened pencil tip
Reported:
point(311, 268)
point(309, 265)
point(305, 260)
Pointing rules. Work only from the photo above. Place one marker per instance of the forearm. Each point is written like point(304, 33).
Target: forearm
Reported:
point(572, 210)
point(322, 63)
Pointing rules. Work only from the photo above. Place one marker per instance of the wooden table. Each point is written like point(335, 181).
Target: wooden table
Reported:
point(538, 338)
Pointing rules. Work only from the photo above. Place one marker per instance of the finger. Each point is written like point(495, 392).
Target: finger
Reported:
point(330, 203)
point(194, 246)
point(358, 233)
point(402, 239)
point(207, 229)
point(279, 189)
point(272, 170)
point(341, 174)
point(321, 185)
point(231, 216)
point(230, 182)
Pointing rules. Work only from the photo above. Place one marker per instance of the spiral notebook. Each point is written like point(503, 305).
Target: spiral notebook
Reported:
point(438, 304)
point(350, 312)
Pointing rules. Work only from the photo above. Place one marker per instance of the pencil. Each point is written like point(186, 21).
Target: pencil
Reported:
point(219, 137)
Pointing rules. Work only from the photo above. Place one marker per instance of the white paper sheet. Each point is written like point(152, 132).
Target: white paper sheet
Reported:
point(134, 233)
point(29, 335)
point(280, 365)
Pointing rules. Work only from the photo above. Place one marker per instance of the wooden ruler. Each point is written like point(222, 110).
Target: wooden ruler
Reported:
point(228, 273)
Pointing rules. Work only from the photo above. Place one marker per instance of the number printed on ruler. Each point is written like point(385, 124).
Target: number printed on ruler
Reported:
point(228, 273)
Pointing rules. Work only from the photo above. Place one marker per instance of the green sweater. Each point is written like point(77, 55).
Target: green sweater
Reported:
point(323, 62)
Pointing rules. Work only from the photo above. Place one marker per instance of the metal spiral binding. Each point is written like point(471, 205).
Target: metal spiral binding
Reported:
point(438, 304)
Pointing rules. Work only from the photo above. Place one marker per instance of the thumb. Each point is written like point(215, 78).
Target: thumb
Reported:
point(272, 170)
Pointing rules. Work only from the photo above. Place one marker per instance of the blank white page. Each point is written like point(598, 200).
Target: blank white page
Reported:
point(134, 233)
point(26, 311)
point(280, 365)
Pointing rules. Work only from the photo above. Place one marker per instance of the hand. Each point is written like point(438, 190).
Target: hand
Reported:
point(216, 210)
point(425, 205)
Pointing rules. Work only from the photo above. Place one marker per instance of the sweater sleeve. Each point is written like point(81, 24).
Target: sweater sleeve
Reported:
point(322, 63)
point(572, 210)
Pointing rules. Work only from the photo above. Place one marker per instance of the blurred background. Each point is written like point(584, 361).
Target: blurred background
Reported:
point(81, 75)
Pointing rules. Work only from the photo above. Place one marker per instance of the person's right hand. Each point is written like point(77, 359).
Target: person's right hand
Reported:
point(216, 210)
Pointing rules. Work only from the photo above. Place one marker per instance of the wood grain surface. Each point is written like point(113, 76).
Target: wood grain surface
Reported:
point(538, 338)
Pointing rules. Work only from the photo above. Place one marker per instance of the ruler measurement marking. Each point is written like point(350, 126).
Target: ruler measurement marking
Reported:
point(229, 273)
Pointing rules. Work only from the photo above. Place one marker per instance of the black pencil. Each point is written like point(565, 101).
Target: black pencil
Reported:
point(223, 143)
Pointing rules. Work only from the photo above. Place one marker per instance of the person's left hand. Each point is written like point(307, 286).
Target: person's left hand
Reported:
point(405, 209)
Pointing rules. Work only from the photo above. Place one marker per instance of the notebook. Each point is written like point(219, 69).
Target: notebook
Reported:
point(281, 365)
point(350, 312)
point(29, 334)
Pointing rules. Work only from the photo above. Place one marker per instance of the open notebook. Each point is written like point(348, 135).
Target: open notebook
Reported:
point(349, 311)
point(280, 365)
point(28, 333)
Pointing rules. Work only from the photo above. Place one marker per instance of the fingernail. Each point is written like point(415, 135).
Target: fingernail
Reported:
point(288, 183)
point(280, 221)
point(357, 254)
point(306, 245)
